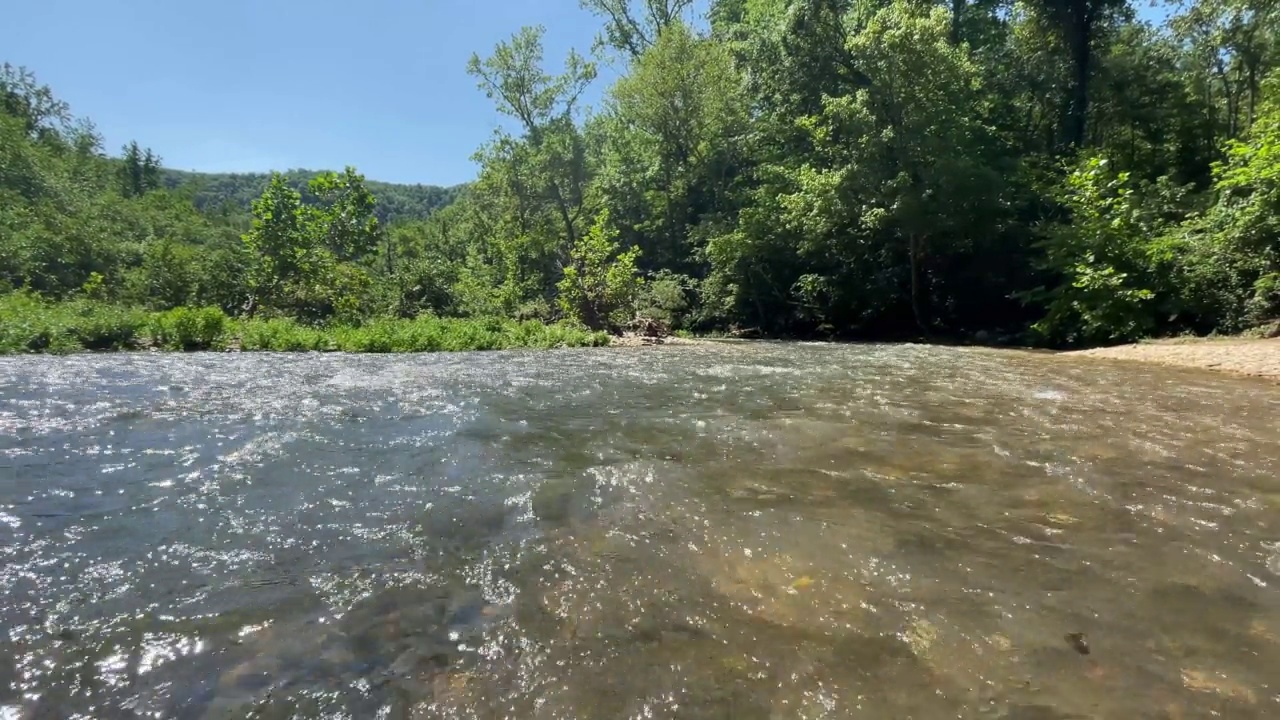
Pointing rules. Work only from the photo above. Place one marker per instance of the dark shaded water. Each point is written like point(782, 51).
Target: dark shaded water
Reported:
point(730, 531)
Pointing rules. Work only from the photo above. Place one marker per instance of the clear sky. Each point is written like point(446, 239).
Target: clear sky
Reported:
point(252, 85)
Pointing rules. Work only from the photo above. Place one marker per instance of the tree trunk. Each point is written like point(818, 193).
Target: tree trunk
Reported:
point(957, 14)
point(565, 216)
point(1081, 43)
point(1253, 94)
point(915, 249)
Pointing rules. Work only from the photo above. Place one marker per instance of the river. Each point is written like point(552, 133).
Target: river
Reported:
point(735, 531)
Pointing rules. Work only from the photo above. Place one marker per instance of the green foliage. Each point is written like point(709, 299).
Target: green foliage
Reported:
point(168, 276)
point(222, 275)
point(1233, 253)
point(600, 284)
point(1104, 260)
point(1058, 171)
point(186, 328)
point(303, 259)
point(344, 216)
point(423, 334)
point(634, 26)
point(425, 285)
point(428, 334)
point(230, 195)
point(282, 335)
point(664, 299)
point(533, 193)
point(668, 143)
point(139, 171)
point(281, 249)
point(28, 324)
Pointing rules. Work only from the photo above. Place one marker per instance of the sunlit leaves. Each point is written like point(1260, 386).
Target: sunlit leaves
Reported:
point(600, 285)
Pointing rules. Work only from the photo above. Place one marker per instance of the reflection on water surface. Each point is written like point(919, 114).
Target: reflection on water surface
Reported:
point(728, 531)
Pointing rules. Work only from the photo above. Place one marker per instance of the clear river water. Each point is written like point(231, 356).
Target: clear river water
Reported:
point(742, 531)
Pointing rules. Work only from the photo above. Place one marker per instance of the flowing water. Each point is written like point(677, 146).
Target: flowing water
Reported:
point(725, 531)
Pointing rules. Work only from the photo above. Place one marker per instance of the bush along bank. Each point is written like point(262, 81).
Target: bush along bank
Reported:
point(30, 325)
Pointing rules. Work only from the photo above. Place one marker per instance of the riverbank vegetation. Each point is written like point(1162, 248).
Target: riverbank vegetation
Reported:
point(1052, 172)
point(28, 324)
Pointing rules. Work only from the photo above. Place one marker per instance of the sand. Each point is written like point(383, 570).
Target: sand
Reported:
point(1254, 357)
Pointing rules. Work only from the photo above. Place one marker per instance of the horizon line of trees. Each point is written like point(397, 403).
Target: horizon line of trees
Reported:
point(1047, 171)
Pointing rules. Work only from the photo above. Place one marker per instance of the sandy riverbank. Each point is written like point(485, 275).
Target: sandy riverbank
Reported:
point(1244, 356)
point(1254, 357)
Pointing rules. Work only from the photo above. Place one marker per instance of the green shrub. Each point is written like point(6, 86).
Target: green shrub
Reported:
point(281, 335)
point(185, 328)
point(105, 327)
point(431, 334)
point(27, 325)
point(664, 299)
point(30, 324)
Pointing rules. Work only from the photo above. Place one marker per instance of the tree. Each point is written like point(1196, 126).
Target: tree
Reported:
point(278, 243)
point(634, 26)
point(344, 216)
point(1105, 291)
point(139, 171)
point(537, 181)
point(1232, 45)
point(889, 178)
point(669, 145)
point(43, 116)
point(1078, 24)
point(600, 284)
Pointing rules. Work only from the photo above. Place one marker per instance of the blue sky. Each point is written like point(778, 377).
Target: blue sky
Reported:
point(251, 85)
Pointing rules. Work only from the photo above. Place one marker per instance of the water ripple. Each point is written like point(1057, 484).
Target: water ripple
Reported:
point(741, 530)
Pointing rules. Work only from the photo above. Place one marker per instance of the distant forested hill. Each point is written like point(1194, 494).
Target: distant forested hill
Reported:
point(235, 192)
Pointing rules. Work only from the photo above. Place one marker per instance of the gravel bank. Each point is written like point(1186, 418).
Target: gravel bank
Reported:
point(1258, 358)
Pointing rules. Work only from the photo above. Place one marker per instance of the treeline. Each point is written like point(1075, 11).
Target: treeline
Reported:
point(92, 231)
point(1049, 171)
point(233, 193)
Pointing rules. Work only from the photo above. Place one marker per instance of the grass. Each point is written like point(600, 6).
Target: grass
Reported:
point(28, 324)
point(424, 334)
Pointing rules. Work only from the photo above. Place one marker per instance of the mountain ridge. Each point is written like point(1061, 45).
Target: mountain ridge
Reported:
point(235, 191)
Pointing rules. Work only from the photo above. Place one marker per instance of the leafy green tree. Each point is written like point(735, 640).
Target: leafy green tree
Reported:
point(279, 244)
point(41, 115)
point(669, 147)
point(344, 215)
point(167, 277)
point(1079, 25)
point(1105, 293)
point(536, 183)
point(1231, 46)
point(1231, 272)
point(223, 269)
point(600, 285)
point(139, 171)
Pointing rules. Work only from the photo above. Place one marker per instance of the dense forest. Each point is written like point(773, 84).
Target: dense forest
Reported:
point(1054, 172)
point(233, 193)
